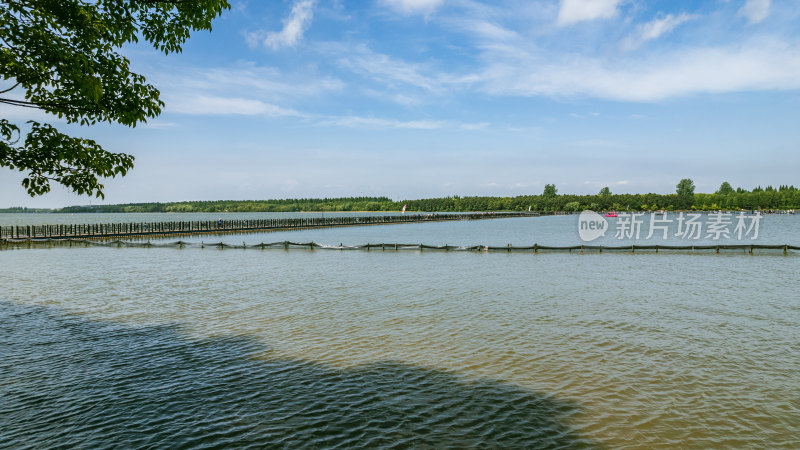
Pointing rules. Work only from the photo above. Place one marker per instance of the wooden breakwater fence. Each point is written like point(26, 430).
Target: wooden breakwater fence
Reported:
point(751, 249)
point(224, 226)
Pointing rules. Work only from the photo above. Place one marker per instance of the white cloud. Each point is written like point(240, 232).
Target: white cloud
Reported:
point(757, 65)
point(376, 122)
point(484, 29)
point(213, 105)
point(266, 81)
point(602, 184)
point(385, 123)
point(655, 28)
point(574, 11)
point(293, 28)
point(413, 6)
point(475, 126)
point(386, 69)
point(399, 98)
point(160, 125)
point(755, 10)
point(245, 89)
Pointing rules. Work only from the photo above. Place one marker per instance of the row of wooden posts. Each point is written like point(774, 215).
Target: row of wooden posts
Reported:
point(115, 230)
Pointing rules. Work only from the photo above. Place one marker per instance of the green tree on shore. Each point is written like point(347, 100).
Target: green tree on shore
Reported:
point(550, 191)
point(725, 188)
point(61, 57)
point(685, 191)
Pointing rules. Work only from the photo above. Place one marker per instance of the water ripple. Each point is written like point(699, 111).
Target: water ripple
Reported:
point(341, 350)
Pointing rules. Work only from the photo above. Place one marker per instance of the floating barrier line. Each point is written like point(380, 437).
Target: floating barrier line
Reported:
point(286, 245)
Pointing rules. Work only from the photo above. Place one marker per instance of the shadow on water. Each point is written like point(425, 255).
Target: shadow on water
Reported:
point(66, 381)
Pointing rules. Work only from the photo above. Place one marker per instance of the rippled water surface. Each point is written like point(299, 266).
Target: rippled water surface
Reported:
point(160, 347)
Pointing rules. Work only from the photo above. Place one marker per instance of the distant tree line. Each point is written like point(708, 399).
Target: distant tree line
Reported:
point(684, 198)
point(727, 198)
point(282, 205)
point(22, 209)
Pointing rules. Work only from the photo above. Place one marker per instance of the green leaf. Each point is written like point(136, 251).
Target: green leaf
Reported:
point(65, 56)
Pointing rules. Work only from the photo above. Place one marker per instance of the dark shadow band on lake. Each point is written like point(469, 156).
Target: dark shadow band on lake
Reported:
point(70, 382)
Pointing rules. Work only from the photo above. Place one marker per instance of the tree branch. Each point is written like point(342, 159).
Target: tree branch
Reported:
point(10, 89)
point(22, 103)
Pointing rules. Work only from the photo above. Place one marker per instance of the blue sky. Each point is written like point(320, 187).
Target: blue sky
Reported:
point(422, 98)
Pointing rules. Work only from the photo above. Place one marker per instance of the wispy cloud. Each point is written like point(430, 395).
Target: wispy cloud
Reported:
point(655, 29)
point(267, 81)
point(574, 11)
point(413, 6)
point(293, 28)
point(224, 106)
point(755, 10)
point(399, 98)
point(757, 65)
point(388, 70)
point(584, 116)
point(506, 65)
point(484, 29)
point(245, 89)
point(160, 125)
point(475, 126)
point(389, 123)
point(601, 184)
point(377, 122)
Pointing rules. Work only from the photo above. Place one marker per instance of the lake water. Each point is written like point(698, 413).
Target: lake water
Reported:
point(160, 347)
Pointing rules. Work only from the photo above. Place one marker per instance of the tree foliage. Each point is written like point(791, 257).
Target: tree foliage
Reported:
point(550, 190)
point(62, 57)
point(685, 187)
point(785, 197)
point(725, 188)
point(685, 191)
